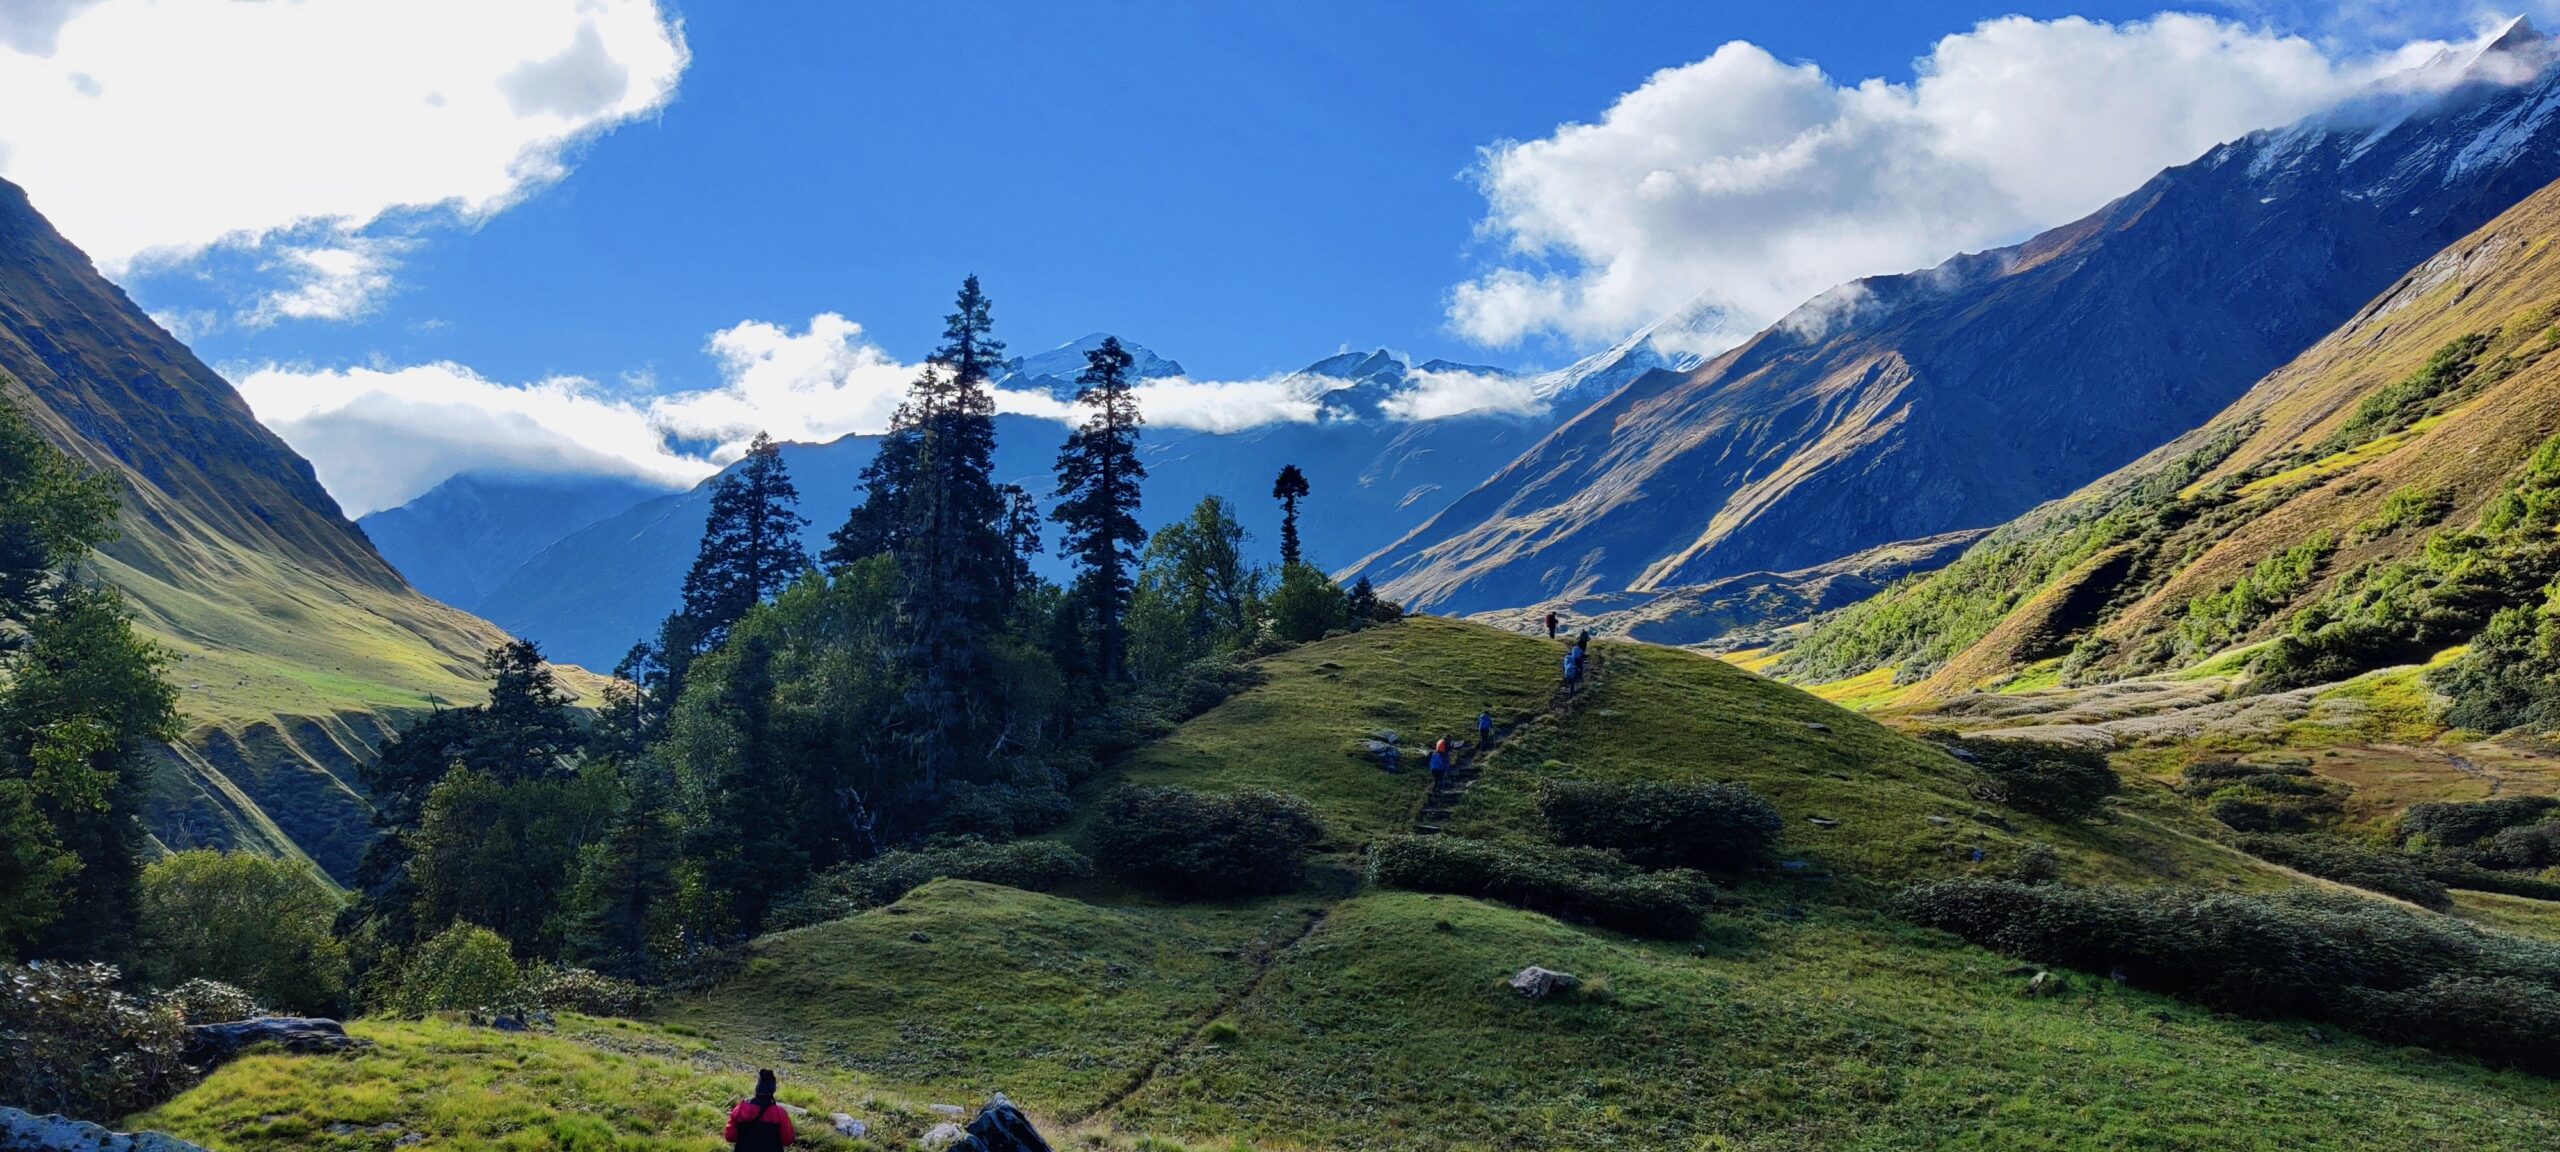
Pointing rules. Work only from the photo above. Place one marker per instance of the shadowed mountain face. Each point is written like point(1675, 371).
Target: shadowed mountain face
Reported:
point(292, 642)
point(1908, 406)
point(463, 537)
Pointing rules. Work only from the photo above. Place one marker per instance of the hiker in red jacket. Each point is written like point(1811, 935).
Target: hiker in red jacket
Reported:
point(759, 1124)
point(1551, 625)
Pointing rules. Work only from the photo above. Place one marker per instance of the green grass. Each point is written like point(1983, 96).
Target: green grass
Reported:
point(1304, 731)
point(1045, 998)
point(1666, 714)
point(592, 1085)
point(1386, 1029)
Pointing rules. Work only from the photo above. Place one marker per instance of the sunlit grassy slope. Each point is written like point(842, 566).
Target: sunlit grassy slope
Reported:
point(1344, 1016)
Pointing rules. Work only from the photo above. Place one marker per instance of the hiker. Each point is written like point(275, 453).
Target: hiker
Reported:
point(1583, 641)
point(1441, 746)
point(1387, 759)
point(1572, 666)
point(1484, 728)
point(1440, 764)
point(759, 1124)
point(1551, 625)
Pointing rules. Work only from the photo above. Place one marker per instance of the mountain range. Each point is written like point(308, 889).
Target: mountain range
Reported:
point(295, 646)
point(1907, 406)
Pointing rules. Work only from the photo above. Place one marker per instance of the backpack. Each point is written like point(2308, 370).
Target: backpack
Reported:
point(759, 1134)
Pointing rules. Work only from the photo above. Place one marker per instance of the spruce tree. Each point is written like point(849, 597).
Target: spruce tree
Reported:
point(1021, 543)
point(876, 524)
point(951, 553)
point(1098, 478)
point(525, 731)
point(750, 544)
point(1290, 485)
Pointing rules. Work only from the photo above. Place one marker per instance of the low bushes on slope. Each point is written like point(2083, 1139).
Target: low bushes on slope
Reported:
point(1724, 827)
point(1573, 883)
point(1188, 843)
point(2050, 780)
point(74, 1041)
point(2371, 967)
point(2352, 864)
point(1031, 865)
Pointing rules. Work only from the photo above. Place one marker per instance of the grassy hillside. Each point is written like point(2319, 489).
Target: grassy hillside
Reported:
point(294, 645)
point(2409, 422)
point(1346, 1015)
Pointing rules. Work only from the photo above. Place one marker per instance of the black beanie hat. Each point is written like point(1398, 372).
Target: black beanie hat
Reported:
point(764, 1086)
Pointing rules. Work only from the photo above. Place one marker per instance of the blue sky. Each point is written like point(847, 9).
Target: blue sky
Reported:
point(1243, 187)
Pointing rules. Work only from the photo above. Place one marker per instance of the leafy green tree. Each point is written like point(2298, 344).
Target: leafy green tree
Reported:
point(625, 902)
point(503, 854)
point(254, 922)
point(461, 969)
point(1288, 489)
point(1306, 605)
point(1099, 473)
point(1197, 594)
point(82, 703)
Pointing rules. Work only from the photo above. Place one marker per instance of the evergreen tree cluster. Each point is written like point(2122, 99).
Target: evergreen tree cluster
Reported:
point(916, 684)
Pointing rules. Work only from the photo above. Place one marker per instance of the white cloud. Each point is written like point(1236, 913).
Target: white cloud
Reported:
point(1763, 183)
point(1432, 395)
point(171, 126)
point(341, 278)
point(380, 436)
point(1223, 405)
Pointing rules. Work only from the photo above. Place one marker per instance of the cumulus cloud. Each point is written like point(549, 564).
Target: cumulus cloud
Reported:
point(1741, 185)
point(172, 126)
point(1432, 395)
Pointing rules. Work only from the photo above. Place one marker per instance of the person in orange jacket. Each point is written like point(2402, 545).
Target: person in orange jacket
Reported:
point(759, 1124)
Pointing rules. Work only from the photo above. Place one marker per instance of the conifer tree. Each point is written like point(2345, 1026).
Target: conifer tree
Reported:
point(1098, 491)
point(951, 553)
point(525, 730)
point(1021, 543)
point(627, 880)
point(874, 526)
point(1291, 485)
point(750, 544)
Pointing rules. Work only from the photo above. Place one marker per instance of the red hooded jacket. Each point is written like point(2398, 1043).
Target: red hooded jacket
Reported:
point(747, 1113)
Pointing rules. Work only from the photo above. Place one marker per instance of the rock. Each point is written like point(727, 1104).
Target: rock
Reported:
point(952, 1110)
point(302, 1035)
point(1538, 983)
point(1001, 1127)
point(507, 1024)
point(850, 1128)
point(944, 1135)
point(1817, 725)
point(920, 938)
point(1941, 821)
point(21, 1131)
point(1822, 821)
point(2042, 984)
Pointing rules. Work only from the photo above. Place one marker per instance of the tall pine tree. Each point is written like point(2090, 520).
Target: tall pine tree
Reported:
point(1287, 489)
point(750, 543)
point(1021, 543)
point(952, 555)
point(1098, 477)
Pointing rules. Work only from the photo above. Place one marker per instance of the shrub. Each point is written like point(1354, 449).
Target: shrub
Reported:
point(1306, 605)
point(1032, 865)
point(2531, 847)
point(247, 920)
point(1571, 883)
point(2037, 863)
point(210, 1002)
point(2332, 957)
point(581, 990)
point(1030, 799)
point(72, 1041)
point(2463, 824)
point(1712, 826)
point(2350, 864)
point(465, 968)
point(2454, 872)
point(2049, 780)
point(1190, 843)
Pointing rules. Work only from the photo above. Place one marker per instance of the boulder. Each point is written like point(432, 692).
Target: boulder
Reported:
point(22, 1131)
point(1538, 983)
point(2042, 984)
point(943, 1135)
point(850, 1128)
point(953, 1111)
point(302, 1035)
point(1001, 1127)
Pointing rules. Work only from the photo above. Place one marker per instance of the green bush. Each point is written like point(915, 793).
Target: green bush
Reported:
point(1718, 827)
point(2049, 780)
point(73, 1041)
point(210, 1002)
point(2455, 872)
point(1306, 605)
point(251, 921)
point(2330, 957)
point(2466, 823)
point(1581, 884)
point(2351, 864)
point(1030, 799)
point(465, 968)
point(584, 991)
point(1187, 843)
point(1031, 865)
point(2532, 847)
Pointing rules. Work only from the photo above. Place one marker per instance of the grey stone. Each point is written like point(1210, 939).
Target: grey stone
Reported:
point(952, 1110)
point(301, 1035)
point(1538, 983)
point(21, 1131)
point(944, 1135)
point(849, 1127)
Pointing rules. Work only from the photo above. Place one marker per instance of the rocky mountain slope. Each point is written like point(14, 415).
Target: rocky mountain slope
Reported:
point(463, 537)
point(1906, 406)
point(294, 644)
point(2369, 481)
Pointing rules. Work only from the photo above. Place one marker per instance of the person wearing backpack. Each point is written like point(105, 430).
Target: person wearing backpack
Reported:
point(759, 1124)
point(1484, 730)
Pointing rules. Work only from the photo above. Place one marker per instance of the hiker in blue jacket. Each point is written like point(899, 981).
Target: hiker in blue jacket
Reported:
point(1439, 768)
point(1484, 729)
